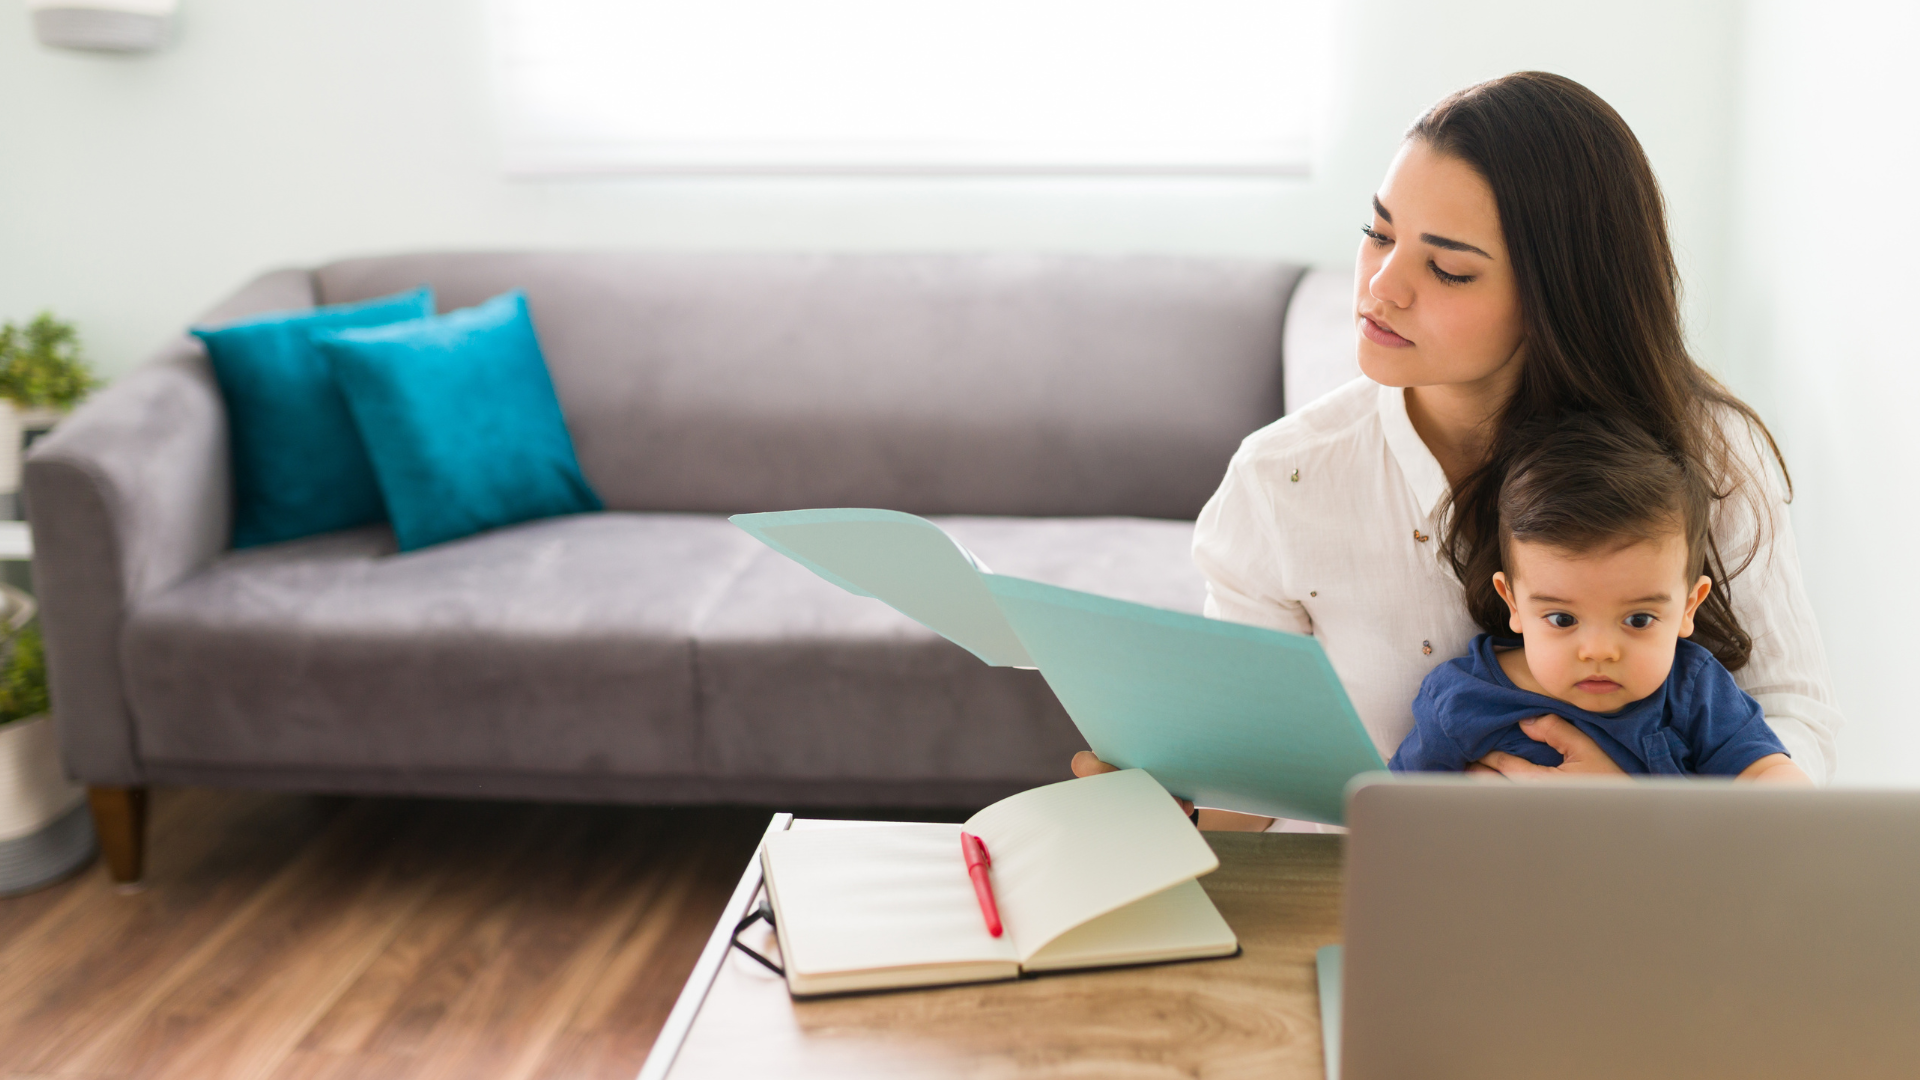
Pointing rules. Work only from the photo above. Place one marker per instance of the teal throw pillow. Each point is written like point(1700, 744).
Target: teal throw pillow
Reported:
point(459, 416)
point(298, 465)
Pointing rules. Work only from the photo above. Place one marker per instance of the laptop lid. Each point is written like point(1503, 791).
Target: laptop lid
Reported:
point(1687, 928)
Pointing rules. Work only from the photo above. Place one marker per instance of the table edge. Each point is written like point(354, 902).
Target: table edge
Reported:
point(686, 1008)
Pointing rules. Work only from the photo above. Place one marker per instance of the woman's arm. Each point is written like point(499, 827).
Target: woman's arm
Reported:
point(1788, 672)
point(1775, 769)
point(1234, 542)
point(1585, 758)
point(1237, 546)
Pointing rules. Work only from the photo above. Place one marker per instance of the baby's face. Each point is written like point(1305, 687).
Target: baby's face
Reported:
point(1601, 626)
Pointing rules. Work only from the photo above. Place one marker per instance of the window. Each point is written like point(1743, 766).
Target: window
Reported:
point(918, 86)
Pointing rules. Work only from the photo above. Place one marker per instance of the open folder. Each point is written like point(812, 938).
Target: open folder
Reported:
point(1228, 715)
point(1094, 872)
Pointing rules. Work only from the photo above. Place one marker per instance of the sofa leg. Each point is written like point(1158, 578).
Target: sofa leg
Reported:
point(120, 820)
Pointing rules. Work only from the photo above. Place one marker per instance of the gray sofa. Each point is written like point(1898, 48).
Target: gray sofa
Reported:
point(1064, 417)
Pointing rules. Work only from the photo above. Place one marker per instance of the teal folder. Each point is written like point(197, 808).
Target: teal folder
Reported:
point(1234, 716)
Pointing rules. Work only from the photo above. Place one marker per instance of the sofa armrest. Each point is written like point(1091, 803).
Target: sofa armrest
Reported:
point(127, 497)
point(1319, 345)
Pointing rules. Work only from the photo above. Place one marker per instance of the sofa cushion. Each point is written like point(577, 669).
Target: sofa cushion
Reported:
point(556, 646)
point(935, 384)
point(459, 417)
point(800, 679)
point(648, 645)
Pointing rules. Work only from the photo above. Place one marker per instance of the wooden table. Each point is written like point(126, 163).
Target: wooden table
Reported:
point(1256, 1014)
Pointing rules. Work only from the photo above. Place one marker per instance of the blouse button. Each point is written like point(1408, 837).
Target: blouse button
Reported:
point(1426, 648)
point(1420, 536)
point(1295, 477)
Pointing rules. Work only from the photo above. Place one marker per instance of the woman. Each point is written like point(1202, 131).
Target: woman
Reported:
point(1516, 265)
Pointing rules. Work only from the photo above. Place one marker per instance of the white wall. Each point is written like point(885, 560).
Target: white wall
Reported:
point(1824, 281)
point(134, 191)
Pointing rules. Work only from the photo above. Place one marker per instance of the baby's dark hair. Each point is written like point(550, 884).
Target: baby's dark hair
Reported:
point(1588, 482)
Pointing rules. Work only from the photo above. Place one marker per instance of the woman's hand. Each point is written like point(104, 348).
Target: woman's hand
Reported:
point(1582, 756)
point(1211, 820)
point(1086, 763)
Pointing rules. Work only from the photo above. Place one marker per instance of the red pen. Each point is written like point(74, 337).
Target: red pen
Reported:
point(978, 862)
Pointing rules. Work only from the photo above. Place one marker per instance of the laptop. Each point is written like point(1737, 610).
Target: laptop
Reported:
point(1685, 928)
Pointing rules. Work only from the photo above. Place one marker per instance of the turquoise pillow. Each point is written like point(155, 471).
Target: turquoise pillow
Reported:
point(459, 416)
point(298, 465)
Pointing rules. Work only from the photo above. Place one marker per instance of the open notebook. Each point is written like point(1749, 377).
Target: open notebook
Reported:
point(1238, 717)
point(1095, 872)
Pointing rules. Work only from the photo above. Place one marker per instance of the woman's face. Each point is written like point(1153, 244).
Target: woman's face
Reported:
point(1434, 296)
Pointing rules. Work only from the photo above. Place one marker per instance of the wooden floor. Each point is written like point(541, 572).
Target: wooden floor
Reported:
point(312, 937)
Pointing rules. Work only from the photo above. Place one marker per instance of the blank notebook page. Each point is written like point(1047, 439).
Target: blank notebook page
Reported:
point(870, 898)
point(1069, 852)
point(1178, 924)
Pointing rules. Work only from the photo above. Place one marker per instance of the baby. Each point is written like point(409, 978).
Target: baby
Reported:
point(1603, 539)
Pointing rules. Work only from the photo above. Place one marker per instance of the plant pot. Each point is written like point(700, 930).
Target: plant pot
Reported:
point(45, 832)
point(16, 425)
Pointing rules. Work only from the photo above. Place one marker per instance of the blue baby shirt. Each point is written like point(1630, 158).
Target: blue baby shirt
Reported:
point(1697, 722)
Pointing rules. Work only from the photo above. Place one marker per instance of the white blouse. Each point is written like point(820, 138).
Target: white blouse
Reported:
point(1328, 524)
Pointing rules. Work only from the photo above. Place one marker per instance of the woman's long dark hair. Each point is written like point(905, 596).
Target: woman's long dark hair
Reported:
point(1586, 231)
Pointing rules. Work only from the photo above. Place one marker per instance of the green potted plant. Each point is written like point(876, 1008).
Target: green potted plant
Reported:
point(42, 376)
point(45, 833)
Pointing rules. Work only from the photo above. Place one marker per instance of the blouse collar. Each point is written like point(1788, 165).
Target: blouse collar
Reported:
point(1417, 463)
